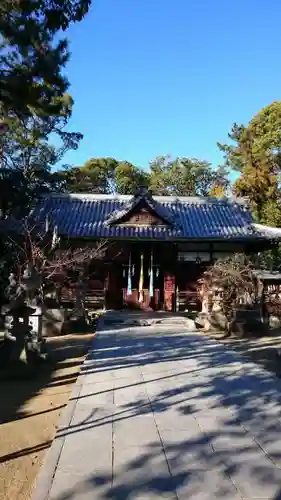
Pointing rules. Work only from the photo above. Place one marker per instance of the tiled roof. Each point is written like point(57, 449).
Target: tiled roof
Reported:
point(268, 232)
point(87, 216)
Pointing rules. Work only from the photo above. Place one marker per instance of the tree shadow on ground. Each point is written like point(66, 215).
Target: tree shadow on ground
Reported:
point(208, 421)
point(64, 353)
point(261, 350)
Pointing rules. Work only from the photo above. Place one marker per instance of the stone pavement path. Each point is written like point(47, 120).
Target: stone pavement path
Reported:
point(161, 413)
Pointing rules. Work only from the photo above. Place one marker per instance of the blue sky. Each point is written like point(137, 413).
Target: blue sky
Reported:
point(152, 77)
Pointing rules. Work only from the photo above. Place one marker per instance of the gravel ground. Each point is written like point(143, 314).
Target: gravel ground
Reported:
point(30, 411)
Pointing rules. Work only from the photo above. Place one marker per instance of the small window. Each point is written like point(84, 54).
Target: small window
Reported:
point(194, 256)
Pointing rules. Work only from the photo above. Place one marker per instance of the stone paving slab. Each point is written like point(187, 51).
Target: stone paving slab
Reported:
point(166, 413)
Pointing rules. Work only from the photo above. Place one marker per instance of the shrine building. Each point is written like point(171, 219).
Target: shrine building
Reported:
point(158, 247)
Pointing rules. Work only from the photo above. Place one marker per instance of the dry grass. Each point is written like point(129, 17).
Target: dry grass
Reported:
point(30, 411)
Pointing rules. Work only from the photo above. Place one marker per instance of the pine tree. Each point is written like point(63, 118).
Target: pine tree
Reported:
point(31, 58)
point(34, 102)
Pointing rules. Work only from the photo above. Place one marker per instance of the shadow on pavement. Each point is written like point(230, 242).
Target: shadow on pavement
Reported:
point(229, 410)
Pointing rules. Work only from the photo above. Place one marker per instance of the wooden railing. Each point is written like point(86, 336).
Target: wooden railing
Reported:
point(94, 298)
point(188, 300)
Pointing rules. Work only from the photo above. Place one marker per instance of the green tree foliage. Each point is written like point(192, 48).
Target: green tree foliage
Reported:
point(28, 157)
point(186, 177)
point(32, 55)
point(95, 176)
point(104, 175)
point(255, 153)
point(266, 129)
point(129, 178)
point(180, 177)
point(34, 103)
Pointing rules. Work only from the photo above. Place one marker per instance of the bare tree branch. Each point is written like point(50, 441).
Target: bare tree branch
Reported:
point(39, 251)
point(233, 279)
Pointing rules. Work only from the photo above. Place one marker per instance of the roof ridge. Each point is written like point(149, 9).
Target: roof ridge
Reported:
point(164, 199)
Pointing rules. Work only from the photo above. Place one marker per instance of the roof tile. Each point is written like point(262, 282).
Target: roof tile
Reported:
point(86, 216)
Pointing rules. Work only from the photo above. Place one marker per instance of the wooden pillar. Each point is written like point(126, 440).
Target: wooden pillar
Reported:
point(211, 253)
point(169, 291)
point(263, 305)
point(114, 295)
